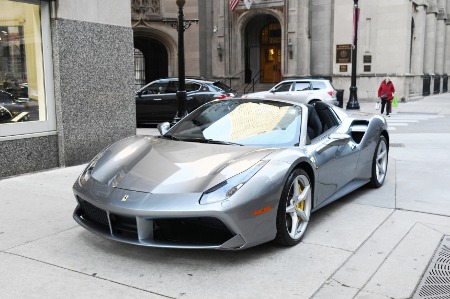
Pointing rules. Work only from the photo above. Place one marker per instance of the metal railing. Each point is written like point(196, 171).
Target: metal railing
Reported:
point(251, 86)
point(235, 76)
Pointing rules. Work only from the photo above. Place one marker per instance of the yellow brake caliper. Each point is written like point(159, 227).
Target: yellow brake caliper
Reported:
point(301, 205)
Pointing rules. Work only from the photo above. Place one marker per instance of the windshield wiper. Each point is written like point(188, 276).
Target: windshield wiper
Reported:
point(221, 142)
point(204, 140)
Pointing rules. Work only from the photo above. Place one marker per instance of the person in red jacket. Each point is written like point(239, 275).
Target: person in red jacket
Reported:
point(385, 93)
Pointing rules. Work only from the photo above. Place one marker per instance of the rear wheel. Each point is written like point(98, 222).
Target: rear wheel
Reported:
point(294, 209)
point(379, 164)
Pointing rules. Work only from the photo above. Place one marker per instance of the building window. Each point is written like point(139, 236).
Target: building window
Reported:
point(139, 69)
point(271, 34)
point(25, 106)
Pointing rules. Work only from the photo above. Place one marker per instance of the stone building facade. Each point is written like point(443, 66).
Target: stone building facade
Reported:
point(407, 40)
point(69, 66)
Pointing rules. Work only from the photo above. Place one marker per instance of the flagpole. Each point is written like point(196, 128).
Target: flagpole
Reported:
point(353, 99)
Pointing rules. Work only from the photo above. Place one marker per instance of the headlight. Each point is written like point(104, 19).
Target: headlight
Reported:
point(86, 174)
point(227, 188)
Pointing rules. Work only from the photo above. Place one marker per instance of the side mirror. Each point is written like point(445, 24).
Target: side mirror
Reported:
point(163, 127)
point(334, 139)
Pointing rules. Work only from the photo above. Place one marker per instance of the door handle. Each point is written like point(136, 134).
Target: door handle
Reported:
point(157, 99)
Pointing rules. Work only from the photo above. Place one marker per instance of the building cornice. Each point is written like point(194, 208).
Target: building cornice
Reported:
point(432, 7)
point(420, 2)
point(442, 15)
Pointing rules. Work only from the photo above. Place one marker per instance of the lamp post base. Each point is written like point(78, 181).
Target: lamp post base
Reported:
point(353, 103)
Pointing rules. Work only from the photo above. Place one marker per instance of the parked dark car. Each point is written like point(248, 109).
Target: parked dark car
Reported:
point(6, 97)
point(13, 109)
point(13, 113)
point(157, 102)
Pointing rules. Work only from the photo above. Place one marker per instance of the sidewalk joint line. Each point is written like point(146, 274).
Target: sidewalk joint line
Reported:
point(94, 275)
point(38, 239)
point(386, 257)
point(353, 253)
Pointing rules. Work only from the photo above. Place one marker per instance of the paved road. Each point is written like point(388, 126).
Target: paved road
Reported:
point(370, 244)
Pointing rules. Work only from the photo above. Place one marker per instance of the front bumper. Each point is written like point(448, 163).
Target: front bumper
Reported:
point(171, 220)
point(187, 232)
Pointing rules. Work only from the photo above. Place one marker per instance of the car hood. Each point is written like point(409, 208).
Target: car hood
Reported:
point(156, 165)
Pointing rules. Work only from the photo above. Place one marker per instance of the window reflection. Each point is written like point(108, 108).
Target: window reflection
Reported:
point(258, 123)
point(22, 94)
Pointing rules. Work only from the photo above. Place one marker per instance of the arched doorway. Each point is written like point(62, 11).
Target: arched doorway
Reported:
point(155, 59)
point(263, 49)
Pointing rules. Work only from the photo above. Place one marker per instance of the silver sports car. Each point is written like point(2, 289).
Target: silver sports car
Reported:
point(233, 174)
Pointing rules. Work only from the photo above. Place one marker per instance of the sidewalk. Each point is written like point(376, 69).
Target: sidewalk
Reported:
point(374, 243)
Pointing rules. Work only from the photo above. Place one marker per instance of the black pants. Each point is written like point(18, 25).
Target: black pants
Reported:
point(386, 103)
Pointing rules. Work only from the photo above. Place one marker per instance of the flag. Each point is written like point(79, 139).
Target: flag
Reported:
point(248, 3)
point(233, 4)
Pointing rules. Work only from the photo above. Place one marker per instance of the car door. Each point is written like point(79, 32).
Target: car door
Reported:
point(196, 95)
point(300, 91)
point(281, 90)
point(336, 164)
point(157, 102)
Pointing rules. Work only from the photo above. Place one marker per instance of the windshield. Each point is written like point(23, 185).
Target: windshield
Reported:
point(241, 122)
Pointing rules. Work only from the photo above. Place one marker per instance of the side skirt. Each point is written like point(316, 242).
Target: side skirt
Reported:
point(350, 187)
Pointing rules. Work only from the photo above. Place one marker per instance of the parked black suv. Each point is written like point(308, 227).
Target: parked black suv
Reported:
point(156, 102)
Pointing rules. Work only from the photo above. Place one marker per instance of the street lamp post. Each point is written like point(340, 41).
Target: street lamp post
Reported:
point(181, 25)
point(181, 92)
point(353, 99)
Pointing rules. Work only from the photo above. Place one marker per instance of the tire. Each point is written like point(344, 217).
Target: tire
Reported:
point(294, 209)
point(380, 163)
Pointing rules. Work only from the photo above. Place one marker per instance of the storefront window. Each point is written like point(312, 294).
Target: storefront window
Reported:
point(23, 98)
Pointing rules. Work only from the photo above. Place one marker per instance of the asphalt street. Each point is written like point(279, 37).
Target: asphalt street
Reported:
point(374, 243)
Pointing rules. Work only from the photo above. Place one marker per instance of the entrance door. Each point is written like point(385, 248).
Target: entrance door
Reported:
point(271, 64)
point(271, 53)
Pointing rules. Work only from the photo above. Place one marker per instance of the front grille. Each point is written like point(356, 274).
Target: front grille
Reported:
point(92, 214)
point(200, 231)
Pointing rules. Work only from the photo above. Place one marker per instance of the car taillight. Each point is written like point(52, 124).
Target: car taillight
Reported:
point(331, 92)
point(225, 96)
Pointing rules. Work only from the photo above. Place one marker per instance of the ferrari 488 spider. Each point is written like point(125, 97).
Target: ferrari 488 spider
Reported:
point(232, 174)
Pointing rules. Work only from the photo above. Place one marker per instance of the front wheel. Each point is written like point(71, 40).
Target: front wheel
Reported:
point(294, 208)
point(379, 164)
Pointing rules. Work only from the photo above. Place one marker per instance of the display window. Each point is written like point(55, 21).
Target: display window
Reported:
point(26, 83)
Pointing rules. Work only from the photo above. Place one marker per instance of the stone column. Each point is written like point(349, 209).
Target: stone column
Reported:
point(303, 42)
point(447, 42)
point(321, 38)
point(430, 38)
point(440, 42)
point(418, 45)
